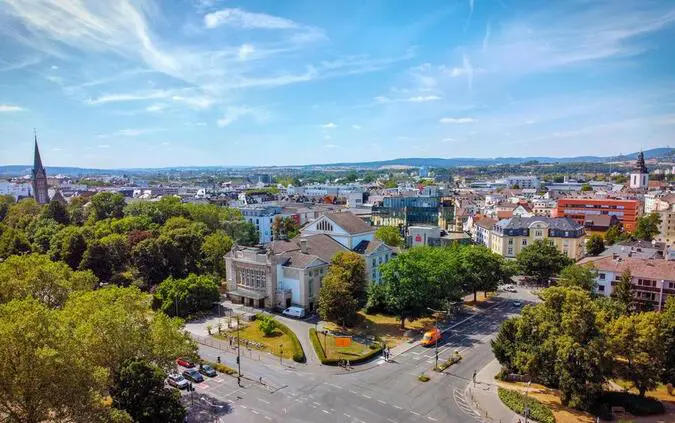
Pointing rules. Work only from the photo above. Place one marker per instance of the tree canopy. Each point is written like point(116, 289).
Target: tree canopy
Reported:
point(595, 245)
point(390, 235)
point(647, 227)
point(541, 260)
point(578, 276)
point(181, 297)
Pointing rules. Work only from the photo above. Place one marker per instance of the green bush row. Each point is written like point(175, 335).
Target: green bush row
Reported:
point(632, 403)
point(298, 352)
point(449, 362)
point(517, 402)
point(334, 362)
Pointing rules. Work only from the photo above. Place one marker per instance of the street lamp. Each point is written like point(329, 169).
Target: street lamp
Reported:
point(436, 324)
point(238, 349)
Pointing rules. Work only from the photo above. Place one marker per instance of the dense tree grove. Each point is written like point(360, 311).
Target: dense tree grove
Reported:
point(425, 278)
point(77, 327)
point(575, 343)
point(342, 288)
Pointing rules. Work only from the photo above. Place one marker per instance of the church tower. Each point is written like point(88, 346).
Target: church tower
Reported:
point(39, 178)
point(639, 177)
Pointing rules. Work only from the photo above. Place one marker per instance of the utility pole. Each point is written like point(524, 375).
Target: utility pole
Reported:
point(238, 349)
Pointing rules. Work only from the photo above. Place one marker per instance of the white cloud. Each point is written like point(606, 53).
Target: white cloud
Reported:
point(457, 120)
point(157, 107)
point(382, 99)
point(196, 102)
point(448, 140)
point(486, 38)
point(331, 146)
point(422, 99)
point(123, 97)
point(54, 67)
point(329, 125)
point(103, 146)
point(10, 108)
point(239, 18)
point(327, 137)
point(356, 127)
point(245, 51)
point(234, 113)
point(130, 132)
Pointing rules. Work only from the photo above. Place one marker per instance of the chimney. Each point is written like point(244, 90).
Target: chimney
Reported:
point(303, 246)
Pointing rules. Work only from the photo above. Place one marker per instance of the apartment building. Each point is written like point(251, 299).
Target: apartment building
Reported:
point(627, 211)
point(509, 236)
point(653, 280)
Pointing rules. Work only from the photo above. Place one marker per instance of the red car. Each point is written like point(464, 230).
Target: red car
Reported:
point(185, 362)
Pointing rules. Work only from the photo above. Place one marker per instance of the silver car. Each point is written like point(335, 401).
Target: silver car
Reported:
point(177, 381)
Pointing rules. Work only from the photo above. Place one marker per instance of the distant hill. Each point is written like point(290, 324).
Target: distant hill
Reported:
point(21, 170)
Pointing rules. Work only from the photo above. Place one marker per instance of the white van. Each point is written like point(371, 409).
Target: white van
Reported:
point(297, 312)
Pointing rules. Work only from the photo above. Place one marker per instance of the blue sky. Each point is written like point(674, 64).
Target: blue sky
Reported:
point(144, 83)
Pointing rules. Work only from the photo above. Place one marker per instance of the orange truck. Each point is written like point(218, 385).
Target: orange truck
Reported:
point(431, 337)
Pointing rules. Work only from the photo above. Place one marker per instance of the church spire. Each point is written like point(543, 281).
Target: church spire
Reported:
point(37, 161)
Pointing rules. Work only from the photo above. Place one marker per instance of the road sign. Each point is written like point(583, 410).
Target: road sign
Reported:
point(343, 341)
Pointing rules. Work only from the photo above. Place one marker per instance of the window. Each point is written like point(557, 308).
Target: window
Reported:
point(373, 262)
point(601, 288)
point(324, 226)
point(509, 251)
point(524, 242)
point(510, 242)
point(538, 232)
point(601, 276)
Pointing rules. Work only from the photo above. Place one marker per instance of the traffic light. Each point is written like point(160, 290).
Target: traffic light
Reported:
point(237, 359)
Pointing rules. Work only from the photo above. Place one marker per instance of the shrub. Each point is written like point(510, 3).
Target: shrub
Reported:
point(447, 363)
point(318, 347)
point(298, 353)
point(517, 402)
point(266, 324)
point(423, 378)
point(634, 404)
point(222, 368)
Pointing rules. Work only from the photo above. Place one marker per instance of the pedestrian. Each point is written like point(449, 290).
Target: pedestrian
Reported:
point(347, 366)
point(239, 381)
point(230, 341)
point(261, 380)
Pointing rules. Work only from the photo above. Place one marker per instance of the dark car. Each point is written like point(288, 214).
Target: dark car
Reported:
point(207, 370)
point(185, 362)
point(193, 375)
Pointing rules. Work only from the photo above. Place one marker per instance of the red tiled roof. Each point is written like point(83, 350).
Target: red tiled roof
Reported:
point(639, 268)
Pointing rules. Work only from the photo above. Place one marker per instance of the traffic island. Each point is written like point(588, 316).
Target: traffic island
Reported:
point(456, 358)
point(333, 350)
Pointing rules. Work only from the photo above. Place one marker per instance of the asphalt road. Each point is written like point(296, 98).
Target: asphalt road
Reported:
point(384, 393)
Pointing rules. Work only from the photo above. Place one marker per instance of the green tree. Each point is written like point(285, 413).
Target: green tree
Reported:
point(76, 210)
point(483, 269)
point(36, 276)
point(284, 228)
point(182, 249)
point(615, 234)
point(595, 245)
point(336, 300)
point(668, 337)
point(578, 276)
point(585, 187)
point(541, 261)
point(390, 235)
point(242, 232)
point(57, 211)
point(505, 344)
point(13, 241)
point(214, 248)
point(181, 297)
point(45, 377)
point(95, 258)
point(21, 214)
point(647, 226)
point(353, 270)
point(623, 291)
point(157, 211)
point(638, 349)
point(266, 324)
point(148, 258)
point(138, 388)
point(5, 202)
point(41, 232)
point(104, 205)
point(68, 245)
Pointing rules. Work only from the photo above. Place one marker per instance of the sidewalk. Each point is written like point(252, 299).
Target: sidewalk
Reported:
point(483, 396)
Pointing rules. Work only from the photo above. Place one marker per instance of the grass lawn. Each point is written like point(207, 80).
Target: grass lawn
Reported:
point(272, 343)
point(355, 350)
point(385, 327)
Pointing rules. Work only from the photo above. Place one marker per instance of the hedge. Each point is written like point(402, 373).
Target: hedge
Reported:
point(632, 403)
point(516, 402)
point(334, 362)
point(298, 352)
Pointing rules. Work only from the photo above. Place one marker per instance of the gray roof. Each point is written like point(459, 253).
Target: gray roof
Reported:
point(561, 223)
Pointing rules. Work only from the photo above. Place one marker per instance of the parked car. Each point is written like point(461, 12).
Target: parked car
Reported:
point(431, 337)
point(207, 370)
point(517, 304)
point(177, 381)
point(185, 362)
point(193, 375)
point(297, 312)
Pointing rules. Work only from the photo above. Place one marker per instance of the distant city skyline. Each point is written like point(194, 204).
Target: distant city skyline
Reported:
point(146, 83)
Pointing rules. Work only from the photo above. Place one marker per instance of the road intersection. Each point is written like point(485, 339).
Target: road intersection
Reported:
point(378, 392)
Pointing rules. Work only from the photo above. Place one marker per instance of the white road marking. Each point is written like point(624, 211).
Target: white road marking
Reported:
point(391, 420)
point(347, 415)
point(254, 411)
point(326, 411)
point(334, 386)
point(382, 402)
point(244, 407)
point(366, 396)
point(400, 408)
point(432, 419)
point(268, 418)
point(315, 403)
point(415, 413)
point(263, 401)
point(353, 392)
